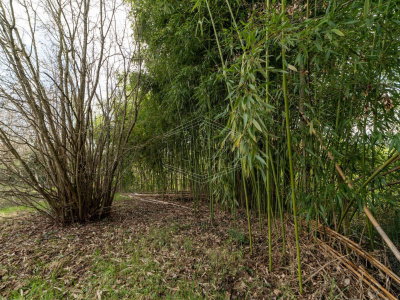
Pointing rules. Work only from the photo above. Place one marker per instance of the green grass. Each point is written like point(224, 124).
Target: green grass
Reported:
point(119, 197)
point(12, 209)
point(158, 265)
point(136, 275)
point(7, 209)
point(143, 257)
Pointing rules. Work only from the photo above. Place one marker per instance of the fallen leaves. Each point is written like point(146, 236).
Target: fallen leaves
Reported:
point(151, 248)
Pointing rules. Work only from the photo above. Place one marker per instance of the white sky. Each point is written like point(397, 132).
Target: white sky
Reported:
point(120, 28)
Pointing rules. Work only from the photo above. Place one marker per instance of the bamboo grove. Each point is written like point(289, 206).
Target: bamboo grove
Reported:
point(307, 93)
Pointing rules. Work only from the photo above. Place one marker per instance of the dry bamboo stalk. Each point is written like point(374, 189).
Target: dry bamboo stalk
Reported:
point(392, 170)
point(335, 254)
point(386, 173)
point(158, 202)
point(363, 274)
point(378, 228)
point(359, 251)
point(388, 184)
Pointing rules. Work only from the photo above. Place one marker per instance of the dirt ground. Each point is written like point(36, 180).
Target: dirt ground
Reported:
point(156, 249)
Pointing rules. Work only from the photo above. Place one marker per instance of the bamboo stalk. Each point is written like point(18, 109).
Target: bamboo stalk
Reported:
point(256, 186)
point(360, 273)
point(268, 150)
point(247, 211)
point(388, 184)
point(386, 173)
point(269, 214)
point(392, 170)
point(378, 228)
point(378, 170)
point(280, 204)
point(352, 245)
point(289, 146)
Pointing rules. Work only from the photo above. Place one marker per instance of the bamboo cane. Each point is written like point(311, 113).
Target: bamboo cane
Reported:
point(360, 273)
point(247, 211)
point(378, 170)
point(280, 204)
point(352, 245)
point(289, 145)
point(268, 151)
point(372, 219)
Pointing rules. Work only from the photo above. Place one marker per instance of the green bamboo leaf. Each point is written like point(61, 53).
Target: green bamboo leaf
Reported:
point(260, 121)
point(260, 159)
point(257, 125)
point(252, 135)
point(245, 117)
point(338, 32)
point(318, 45)
point(237, 142)
point(291, 67)
point(197, 4)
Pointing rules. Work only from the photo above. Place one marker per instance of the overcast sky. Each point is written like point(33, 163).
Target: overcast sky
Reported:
point(46, 35)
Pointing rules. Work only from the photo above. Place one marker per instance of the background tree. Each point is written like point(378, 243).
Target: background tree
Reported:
point(66, 84)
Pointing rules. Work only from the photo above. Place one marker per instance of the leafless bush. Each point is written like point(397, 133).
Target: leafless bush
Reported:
point(68, 104)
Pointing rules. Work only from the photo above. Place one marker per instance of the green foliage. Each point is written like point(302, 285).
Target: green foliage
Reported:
point(225, 59)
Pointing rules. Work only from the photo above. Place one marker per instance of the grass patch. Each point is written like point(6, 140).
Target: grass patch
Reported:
point(121, 197)
point(12, 210)
point(9, 209)
point(143, 252)
point(154, 266)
